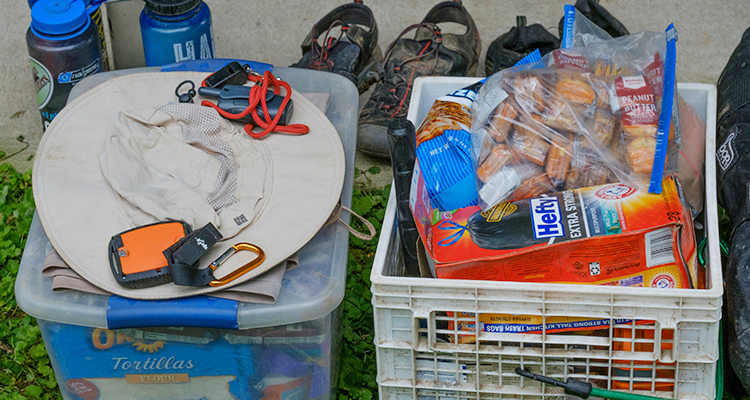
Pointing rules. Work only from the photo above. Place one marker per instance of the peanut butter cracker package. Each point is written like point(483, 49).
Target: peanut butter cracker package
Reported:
point(581, 116)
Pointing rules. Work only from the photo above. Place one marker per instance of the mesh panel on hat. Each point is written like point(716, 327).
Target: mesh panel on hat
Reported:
point(201, 128)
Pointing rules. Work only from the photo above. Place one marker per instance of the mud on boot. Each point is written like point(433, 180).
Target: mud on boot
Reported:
point(349, 45)
point(430, 53)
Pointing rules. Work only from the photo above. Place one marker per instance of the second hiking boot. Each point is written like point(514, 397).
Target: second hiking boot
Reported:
point(349, 46)
point(512, 46)
point(430, 53)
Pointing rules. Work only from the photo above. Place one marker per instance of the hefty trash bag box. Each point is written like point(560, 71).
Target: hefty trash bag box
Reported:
point(612, 234)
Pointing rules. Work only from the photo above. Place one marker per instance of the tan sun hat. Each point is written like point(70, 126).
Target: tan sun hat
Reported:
point(119, 156)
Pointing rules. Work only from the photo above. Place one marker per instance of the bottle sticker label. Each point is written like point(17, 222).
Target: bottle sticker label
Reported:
point(77, 75)
point(42, 81)
point(188, 53)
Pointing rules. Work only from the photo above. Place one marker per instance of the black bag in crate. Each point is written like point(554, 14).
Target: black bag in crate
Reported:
point(733, 177)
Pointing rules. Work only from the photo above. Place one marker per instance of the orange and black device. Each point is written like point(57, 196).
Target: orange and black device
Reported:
point(136, 255)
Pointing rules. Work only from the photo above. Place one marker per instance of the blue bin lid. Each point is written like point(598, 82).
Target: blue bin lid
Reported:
point(58, 17)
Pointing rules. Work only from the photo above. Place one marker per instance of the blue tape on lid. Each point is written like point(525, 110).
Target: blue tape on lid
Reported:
point(198, 311)
point(665, 118)
point(213, 65)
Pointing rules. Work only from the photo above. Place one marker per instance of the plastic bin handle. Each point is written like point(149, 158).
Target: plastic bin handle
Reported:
point(197, 311)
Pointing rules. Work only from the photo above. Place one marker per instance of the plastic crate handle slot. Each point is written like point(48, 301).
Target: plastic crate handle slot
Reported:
point(667, 330)
point(668, 351)
point(420, 313)
point(637, 339)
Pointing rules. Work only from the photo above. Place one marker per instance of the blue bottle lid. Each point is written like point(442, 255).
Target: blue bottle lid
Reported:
point(89, 3)
point(58, 17)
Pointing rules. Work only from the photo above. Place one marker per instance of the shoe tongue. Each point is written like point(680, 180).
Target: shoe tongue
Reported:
point(424, 33)
point(450, 41)
point(403, 49)
point(333, 40)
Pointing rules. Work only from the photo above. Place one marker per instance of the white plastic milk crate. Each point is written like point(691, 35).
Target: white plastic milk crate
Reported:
point(422, 355)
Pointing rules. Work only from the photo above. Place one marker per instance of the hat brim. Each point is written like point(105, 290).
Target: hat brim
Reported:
point(80, 214)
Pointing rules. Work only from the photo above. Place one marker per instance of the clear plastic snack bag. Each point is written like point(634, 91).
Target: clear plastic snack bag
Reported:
point(579, 117)
point(444, 147)
point(579, 31)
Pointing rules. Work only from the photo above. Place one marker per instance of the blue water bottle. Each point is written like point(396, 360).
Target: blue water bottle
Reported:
point(176, 31)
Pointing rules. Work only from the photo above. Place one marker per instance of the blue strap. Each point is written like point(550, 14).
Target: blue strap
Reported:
point(569, 18)
point(665, 118)
point(198, 311)
point(213, 65)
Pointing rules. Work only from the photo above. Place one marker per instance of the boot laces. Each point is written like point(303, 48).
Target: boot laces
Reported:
point(320, 53)
point(394, 103)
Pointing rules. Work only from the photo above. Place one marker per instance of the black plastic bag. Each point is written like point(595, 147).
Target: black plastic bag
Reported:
point(733, 177)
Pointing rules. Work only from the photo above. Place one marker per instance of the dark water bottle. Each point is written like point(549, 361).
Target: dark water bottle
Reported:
point(176, 31)
point(64, 48)
point(94, 9)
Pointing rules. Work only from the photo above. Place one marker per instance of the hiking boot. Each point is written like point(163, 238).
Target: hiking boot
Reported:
point(430, 53)
point(600, 16)
point(512, 46)
point(349, 47)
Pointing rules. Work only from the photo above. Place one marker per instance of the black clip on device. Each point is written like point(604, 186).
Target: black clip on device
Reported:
point(235, 99)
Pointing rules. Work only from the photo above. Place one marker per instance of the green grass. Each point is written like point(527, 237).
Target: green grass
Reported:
point(25, 371)
point(358, 365)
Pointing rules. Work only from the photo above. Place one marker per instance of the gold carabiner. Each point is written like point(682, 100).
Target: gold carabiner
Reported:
point(239, 271)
